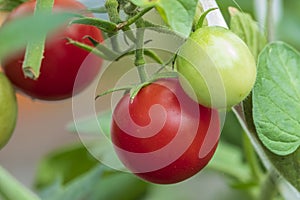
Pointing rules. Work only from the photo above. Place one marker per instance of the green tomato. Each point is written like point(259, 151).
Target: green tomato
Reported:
point(216, 68)
point(8, 110)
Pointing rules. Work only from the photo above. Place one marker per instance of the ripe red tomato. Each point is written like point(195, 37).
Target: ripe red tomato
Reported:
point(162, 135)
point(61, 61)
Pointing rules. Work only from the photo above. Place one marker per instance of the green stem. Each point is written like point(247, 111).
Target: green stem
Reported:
point(98, 51)
point(147, 52)
point(114, 90)
point(35, 49)
point(128, 32)
point(98, 10)
point(112, 10)
point(268, 188)
point(252, 159)
point(113, 14)
point(134, 18)
point(12, 189)
point(139, 52)
point(269, 24)
point(103, 25)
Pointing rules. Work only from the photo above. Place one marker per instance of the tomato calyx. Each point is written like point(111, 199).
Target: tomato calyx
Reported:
point(200, 22)
point(133, 90)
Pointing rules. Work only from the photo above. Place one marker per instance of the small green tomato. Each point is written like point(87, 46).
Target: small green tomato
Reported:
point(216, 68)
point(8, 110)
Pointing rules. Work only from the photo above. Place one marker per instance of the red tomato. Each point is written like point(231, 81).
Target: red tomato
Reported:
point(162, 135)
point(61, 61)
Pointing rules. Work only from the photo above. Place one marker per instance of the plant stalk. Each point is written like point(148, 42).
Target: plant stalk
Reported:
point(139, 52)
point(268, 188)
point(269, 21)
point(113, 14)
point(112, 10)
point(10, 188)
point(252, 159)
point(134, 18)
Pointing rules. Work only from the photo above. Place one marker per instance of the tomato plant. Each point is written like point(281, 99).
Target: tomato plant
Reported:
point(8, 110)
point(181, 72)
point(61, 61)
point(165, 123)
point(217, 66)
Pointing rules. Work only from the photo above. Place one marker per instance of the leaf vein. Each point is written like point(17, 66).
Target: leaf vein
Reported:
point(284, 91)
point(283, 111)
point(282, 132)
point(290, 78)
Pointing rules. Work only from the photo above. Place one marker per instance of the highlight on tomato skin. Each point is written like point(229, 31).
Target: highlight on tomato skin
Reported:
point(61, 61)
point(163, 136)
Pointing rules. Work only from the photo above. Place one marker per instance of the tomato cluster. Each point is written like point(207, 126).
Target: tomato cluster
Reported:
point(61, 62)
point(161, 135)
point(169, 131)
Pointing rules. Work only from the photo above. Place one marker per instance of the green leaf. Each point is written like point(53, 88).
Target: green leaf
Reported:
point(79, 188)
point(89, 48)
point(70, 173)
point(119, 186)
point(201, 20)
point(64, 164)
point(103, 25)
point(285, 168)
point(96, 183)
point(92, 186)
point(227, 156)
point(35, 26)
point(178, 14)
point(276, 97)
point(145, 3)
point(8, 5)
point(247, 29)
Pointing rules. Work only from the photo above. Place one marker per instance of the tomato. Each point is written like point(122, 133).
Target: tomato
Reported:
point(216, 66)
point(163, 136)
point(61, 61)
point(8, 110)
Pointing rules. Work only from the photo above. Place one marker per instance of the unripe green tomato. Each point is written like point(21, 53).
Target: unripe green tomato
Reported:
point(216, 68)
point(8, 110)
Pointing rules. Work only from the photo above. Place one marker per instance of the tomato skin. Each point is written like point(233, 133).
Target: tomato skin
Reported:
point(8, 110)
point(170, 153)
point(217, 66)
point(61, 61)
